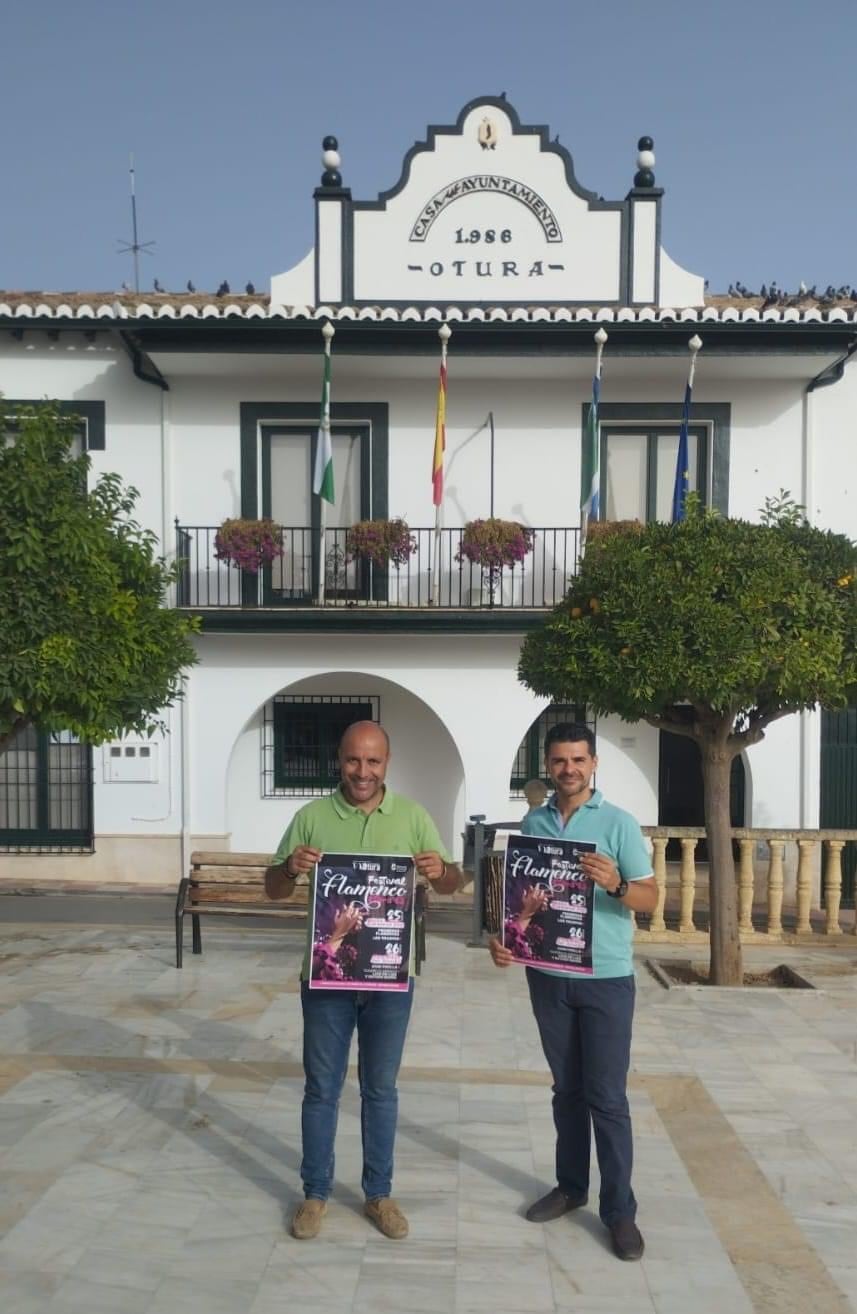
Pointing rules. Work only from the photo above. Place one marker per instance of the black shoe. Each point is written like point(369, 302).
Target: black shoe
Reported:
point(553, 1205)
point(628, 1242)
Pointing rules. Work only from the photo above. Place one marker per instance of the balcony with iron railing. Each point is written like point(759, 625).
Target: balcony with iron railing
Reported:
point(434, 576)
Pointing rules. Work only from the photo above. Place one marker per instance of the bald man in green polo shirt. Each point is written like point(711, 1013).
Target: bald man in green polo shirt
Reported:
point(361, 816)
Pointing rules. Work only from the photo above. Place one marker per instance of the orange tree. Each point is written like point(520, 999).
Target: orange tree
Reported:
point(710, 628)
point(86, 643)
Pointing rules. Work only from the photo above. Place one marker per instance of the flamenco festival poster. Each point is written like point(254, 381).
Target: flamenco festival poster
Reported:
point(362, 922)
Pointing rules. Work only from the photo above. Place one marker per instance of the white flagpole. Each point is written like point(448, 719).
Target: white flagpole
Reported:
point(694, 347)
point(444, 333)
point(592, 445)
point(327, 332)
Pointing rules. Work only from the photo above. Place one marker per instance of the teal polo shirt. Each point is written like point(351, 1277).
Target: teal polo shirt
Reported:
point(333, 825)
point(618, 836)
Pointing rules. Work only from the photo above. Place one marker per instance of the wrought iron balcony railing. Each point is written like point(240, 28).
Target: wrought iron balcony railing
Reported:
point(427, 579)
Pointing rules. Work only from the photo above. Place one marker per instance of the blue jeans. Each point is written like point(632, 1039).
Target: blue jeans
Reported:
point(330, 1017)
point(585, 1029)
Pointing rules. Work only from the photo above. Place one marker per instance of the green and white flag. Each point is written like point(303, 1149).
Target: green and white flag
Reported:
point(322, 479)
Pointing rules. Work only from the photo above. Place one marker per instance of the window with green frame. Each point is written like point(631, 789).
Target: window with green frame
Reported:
point(529, 761)
point(639, 447)
point(300, 736)
point(45, 793)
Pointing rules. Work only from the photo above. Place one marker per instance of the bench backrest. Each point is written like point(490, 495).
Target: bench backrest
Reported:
point(236, 878)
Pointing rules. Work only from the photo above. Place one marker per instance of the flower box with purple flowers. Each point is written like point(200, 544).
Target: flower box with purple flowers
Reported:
point(248, 544)
point(383, 542)
point(495, 543)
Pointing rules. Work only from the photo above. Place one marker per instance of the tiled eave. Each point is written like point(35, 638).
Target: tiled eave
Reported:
point(117, 311)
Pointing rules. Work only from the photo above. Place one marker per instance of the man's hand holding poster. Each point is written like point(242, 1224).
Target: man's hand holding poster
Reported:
point(548, 904)
point(362, 922)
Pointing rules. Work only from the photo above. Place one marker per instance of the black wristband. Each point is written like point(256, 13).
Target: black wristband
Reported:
point(620, 891)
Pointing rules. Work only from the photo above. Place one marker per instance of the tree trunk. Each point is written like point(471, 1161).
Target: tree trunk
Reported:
point(726, 962)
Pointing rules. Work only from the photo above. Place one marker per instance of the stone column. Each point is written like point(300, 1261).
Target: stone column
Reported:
point(804, 885)
point(687, 881)
point(745, 887)
point(775, 887)
point(833, 887)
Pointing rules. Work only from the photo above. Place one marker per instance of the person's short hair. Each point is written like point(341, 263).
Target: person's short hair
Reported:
point(570, 732)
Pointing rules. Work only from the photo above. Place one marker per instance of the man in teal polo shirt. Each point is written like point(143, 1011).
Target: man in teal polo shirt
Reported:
point(585, 1021)
point(361, 816)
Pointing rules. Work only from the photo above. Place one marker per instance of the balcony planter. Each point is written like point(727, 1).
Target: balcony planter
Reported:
point(495, 546)
point(248, 544)
point(381, 542)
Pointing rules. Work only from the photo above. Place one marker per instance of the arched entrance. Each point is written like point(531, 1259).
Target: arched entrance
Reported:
point(681, 801)
point(285, 754)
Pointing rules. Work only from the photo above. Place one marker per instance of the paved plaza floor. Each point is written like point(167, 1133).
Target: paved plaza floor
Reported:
point(149, 1137)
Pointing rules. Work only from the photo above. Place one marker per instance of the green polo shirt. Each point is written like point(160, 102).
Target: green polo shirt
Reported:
point(333, 825)
point(617, 835)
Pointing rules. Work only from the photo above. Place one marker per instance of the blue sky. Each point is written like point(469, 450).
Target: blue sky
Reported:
point(224, 105)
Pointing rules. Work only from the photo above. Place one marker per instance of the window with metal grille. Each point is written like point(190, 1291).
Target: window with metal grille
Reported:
point(45, 793)
point(300, 736)
point(529, 761)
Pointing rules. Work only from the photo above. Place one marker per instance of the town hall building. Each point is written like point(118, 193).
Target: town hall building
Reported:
point(209, 405)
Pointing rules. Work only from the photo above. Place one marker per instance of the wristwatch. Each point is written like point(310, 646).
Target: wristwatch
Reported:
point(620, 891)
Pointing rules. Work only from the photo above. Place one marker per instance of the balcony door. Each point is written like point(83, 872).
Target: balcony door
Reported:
point(638, 467)
point(288, 458)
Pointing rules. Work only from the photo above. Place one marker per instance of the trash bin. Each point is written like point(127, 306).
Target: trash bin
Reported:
point(467, 861)
point(492, 892)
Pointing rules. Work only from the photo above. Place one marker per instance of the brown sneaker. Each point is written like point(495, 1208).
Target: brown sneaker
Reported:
point(307, 1220)
point(387, 1217)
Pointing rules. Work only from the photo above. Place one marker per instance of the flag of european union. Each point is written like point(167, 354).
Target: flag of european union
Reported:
point(682, 464)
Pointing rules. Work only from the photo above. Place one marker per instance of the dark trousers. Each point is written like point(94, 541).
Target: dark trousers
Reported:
point(585, 1029)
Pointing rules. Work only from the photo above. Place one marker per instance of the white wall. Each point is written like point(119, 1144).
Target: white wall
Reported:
point(74, 370)
point(454, 701)
point(834, 454)
point(425, 764)
point(457, 695)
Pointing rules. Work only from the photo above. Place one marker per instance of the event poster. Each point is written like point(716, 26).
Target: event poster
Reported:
point(362, 922)
point(548, 903)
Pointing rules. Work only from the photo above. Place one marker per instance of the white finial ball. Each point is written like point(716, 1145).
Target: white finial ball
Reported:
point(601, 337)
point(646, 160)
point(695, 344)
point(331, 159)
point(444, 333)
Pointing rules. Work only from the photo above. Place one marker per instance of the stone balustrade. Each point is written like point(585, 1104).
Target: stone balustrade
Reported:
point(810, 901)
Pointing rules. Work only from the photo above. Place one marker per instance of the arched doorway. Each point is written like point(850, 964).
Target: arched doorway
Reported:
point(681, 801)
point(285, 754)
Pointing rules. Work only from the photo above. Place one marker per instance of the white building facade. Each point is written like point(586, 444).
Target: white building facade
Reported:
point(209, 406)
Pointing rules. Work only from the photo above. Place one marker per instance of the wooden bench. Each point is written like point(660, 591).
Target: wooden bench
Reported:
point(233, 885)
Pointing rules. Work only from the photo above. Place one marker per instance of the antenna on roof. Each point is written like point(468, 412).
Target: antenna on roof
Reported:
point(134, 246)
